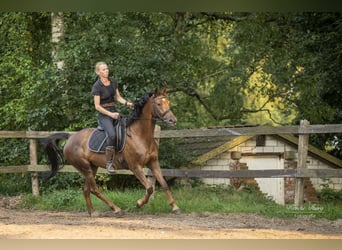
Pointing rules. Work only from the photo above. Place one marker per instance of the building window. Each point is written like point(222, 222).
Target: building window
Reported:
point(260, 140)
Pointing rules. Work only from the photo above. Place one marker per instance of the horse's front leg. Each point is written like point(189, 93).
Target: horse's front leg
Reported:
point(139, 173)
point(155, 168)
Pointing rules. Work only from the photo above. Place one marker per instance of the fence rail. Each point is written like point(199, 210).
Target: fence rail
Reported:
point(252, 130)
point(205, 132)
point(196, 173)
point(301, 172)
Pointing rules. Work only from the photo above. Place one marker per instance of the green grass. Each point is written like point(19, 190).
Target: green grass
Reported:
point(200, 199)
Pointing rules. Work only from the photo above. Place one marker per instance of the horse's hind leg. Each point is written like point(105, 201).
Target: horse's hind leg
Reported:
point(86, 193)
point(91, 187)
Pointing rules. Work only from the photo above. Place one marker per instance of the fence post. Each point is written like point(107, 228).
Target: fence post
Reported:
point(303, 145)
point(33, 161)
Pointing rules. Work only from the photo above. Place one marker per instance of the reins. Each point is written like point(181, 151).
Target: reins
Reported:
point(158, 116)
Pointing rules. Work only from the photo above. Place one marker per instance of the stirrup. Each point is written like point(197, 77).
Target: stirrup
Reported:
point(110, 168)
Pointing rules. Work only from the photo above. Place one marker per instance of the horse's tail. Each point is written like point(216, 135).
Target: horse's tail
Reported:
point(54, 153)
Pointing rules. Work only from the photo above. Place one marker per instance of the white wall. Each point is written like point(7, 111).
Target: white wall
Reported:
point(273, 187)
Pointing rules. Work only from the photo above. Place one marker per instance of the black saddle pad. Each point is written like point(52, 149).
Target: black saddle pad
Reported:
point(98, 139)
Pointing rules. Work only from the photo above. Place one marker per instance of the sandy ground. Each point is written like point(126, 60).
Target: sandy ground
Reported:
point(31, 224)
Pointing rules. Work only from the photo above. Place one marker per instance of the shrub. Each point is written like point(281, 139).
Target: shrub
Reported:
point(328, 195)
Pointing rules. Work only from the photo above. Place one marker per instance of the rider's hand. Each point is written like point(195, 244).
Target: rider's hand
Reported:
point(115, 115)
point(130, 105)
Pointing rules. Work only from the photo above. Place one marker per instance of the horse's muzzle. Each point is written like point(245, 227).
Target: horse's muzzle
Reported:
point(171, 121)
point(168, 117)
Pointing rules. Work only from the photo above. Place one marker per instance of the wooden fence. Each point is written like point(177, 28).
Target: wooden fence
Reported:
point(301, 172)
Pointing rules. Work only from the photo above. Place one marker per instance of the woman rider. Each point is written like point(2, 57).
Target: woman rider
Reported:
point(105, 90)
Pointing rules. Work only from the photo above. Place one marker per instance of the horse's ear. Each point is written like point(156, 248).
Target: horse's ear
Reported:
point(156, 92)
point(164, 91)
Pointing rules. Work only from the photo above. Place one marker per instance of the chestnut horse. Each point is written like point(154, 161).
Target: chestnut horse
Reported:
point(140, 150)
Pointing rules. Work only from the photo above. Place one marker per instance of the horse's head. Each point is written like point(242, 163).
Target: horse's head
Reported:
point(161, 108)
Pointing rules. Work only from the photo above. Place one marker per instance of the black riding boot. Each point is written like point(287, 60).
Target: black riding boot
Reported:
point(110, 158)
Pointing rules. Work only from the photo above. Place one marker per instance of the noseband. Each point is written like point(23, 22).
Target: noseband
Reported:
point(157, 114)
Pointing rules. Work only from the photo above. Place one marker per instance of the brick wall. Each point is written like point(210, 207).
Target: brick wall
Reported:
point(310, 193)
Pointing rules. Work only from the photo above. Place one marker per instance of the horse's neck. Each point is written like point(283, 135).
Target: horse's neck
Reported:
point(146, 124)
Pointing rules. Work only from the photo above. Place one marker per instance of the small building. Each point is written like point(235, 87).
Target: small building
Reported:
point(261, 153)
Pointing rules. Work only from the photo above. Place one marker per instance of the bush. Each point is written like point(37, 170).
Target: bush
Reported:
point(328, 195)
point(62, 181)
point(14, 184)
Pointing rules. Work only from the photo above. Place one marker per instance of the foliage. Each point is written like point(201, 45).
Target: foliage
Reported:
point(197, 199)
point(329, 195)
point(289, 48)
point(14, 151)
point(221, 68)
point(66, 200)
point(23, 66)
point(61, 182)
point(214, 63)
point(172, 156)
point(15, 184)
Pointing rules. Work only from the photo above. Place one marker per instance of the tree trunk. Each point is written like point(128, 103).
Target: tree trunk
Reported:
point(57, 33)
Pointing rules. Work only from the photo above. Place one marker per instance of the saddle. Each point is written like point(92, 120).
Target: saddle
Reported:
point(98, 139)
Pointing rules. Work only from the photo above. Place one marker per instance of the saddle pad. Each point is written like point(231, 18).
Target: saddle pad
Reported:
point(98, 139)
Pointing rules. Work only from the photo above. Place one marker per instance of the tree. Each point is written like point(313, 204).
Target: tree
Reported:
point(301, 55)
point(221, 68)
point(57, 33)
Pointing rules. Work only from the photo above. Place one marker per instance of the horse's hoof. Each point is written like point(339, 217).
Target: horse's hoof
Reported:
point(119, 214)
point(139, 204)
point(94, 215)
point(177, 212)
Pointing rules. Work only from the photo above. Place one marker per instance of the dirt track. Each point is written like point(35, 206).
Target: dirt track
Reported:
point(28, 224)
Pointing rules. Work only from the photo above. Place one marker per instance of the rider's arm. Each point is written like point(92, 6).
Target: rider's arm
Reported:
point(98, 107)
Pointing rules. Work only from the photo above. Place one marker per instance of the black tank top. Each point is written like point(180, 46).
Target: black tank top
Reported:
point(106, 93)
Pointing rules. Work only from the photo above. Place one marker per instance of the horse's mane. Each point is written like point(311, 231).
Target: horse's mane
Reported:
point(138, 106)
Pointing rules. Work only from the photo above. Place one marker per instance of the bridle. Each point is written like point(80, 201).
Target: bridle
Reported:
point(157, 115)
